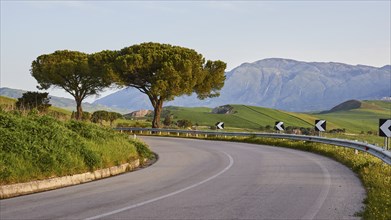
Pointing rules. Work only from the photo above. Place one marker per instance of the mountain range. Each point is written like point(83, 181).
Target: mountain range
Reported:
point(282, 84)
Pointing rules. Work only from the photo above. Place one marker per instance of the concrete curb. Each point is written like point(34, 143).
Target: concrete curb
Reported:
point(18, 189)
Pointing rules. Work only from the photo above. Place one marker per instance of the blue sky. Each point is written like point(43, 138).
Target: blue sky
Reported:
point(353, 32)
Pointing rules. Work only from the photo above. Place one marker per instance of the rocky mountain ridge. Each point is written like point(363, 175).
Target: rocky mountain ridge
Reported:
point(282, 84)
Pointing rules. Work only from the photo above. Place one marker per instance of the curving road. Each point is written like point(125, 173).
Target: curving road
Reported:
point(195, 179)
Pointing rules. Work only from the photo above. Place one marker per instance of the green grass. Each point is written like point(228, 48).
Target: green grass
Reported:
point(8, 104)
point(245, 117)
point(36, 147)
point(6, 100)
point(375, 104)
point(356, 121)
point(366, 138)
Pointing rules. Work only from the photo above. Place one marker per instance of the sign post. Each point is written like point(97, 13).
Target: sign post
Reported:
point(220, 125)
point(385, 131)
point(320, 126)
point(279, 126)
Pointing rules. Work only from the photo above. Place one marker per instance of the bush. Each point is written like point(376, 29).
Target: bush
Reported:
point(33, 100)
point(184, 123)
point(143, 151)
point(168, 120)
point(100, 116)
point(337, 131)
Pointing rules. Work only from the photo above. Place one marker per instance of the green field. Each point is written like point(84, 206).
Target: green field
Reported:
point(359, 124)
point(244, 116)
point(363, 119)
point(366, 118)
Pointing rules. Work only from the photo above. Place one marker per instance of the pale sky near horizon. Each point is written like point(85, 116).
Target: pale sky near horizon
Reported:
point(353, 32)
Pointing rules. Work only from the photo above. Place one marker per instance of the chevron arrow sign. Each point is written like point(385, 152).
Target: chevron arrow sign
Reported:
point(385, 127)
point(220, 125)
point(320, 125)
point(279, 126)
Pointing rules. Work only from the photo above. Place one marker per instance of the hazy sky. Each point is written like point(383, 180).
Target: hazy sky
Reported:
point(353, 32)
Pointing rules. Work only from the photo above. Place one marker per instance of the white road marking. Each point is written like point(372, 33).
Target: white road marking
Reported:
point(231, 162)
point(315, 208)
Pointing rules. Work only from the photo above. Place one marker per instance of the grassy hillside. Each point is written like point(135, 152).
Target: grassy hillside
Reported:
point(8, 104)
point(6, 100)
point(250, 117)
point(37, 147)
point(364, 118)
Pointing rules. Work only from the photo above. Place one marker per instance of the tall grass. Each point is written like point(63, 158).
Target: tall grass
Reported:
point(36, 147)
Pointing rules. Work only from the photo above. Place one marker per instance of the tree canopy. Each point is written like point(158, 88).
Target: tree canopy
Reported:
point(101, 115)
point(31, 100)
point(163, 72)
point(79, 74)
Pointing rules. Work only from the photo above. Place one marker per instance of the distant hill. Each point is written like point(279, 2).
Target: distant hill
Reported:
point(282, 84)
point(65, 103)
point(346, 106)
point(364, 118)
point(355, 104)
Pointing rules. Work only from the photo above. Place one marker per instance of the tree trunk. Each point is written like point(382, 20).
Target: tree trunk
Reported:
point(79, 110)
point(156, 116)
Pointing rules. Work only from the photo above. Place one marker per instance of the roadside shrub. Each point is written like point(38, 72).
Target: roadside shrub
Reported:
point(89, 131)
point(184, 123)
point(338, 130)
point(123, 125)
point(144, 152)
point(91, 158)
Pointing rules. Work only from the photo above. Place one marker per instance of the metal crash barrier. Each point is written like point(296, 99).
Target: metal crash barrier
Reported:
point(376, 151)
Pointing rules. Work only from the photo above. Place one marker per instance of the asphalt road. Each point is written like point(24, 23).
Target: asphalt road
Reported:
point(195, 179)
